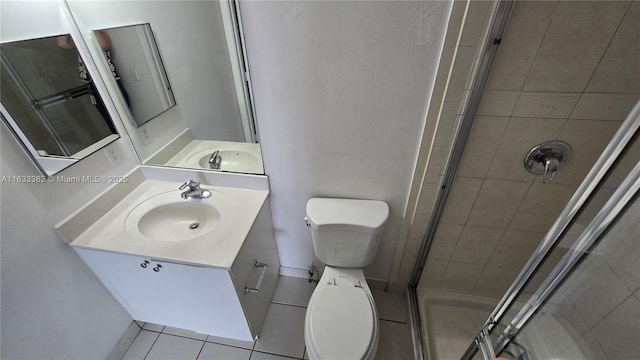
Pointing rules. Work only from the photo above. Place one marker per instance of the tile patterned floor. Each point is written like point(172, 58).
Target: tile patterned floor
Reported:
point(282, 337)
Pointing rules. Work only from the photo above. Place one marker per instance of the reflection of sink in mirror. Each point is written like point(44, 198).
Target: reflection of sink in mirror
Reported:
point(167, 217)
point(195, 154)
point(234, 160)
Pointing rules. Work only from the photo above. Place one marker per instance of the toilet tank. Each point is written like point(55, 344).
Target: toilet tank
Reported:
point(346, 232)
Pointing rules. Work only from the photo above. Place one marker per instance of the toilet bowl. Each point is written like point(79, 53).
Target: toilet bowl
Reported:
point(341, 320)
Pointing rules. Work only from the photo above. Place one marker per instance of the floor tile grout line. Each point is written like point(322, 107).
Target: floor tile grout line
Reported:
point(233, 346)
point(394, 321)
point(201, 348)
point(151, 347)
point(276, 354)
point(185, 337)
point(253, 349)
point(158, 331)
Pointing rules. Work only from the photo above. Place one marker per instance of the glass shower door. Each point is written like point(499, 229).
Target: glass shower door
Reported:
point(595, 313)
point(589, 305)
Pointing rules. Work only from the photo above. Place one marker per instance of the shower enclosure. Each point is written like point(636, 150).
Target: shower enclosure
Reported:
point(529, 266)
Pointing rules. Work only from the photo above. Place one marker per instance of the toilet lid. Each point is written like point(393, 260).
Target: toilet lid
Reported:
point(342, 323)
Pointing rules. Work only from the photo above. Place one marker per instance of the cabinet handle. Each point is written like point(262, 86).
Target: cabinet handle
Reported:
point(256, 289)
point(144, 264)
point(157, 268)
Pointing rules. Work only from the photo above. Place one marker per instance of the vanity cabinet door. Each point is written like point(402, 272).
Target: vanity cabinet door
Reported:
point(255, 283)
point(200, 299)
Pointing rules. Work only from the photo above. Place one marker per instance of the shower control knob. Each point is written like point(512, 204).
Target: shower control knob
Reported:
point(157, 268)
point(144, 264)
point(546, 158)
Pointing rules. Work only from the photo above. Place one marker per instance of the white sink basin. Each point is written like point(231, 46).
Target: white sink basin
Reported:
point(154, 221)
point(167, 217)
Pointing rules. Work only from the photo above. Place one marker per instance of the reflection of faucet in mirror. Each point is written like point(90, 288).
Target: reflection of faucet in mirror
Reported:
point(66, 42)
point(215, 160)
point(194, 190)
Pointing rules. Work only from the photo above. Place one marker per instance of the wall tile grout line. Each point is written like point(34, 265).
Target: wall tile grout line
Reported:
point(526, 78)
point(604, 53)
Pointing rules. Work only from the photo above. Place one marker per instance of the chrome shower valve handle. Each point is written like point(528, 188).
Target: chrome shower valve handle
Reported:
point(550, 168)
point(545, 159)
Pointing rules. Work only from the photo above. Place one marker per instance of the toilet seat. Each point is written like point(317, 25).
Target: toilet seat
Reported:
point(341, 323)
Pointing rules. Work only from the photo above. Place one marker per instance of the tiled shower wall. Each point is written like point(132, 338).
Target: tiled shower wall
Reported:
point(565, 70)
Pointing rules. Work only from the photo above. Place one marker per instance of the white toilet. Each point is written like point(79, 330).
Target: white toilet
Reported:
point(341, 320)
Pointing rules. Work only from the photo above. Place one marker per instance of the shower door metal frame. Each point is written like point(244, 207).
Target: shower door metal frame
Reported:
point(499, 18)
point(489, 49)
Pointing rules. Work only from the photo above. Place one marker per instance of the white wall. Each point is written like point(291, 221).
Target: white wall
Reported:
point(53, 307)
point(341, 92)
point(191, 40)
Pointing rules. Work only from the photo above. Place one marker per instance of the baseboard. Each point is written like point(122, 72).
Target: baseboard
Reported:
point(125, 342)
point(377, 284)
point(397, 288)
point(294, 272)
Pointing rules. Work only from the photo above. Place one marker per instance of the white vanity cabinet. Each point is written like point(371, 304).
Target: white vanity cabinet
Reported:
point(225, 302)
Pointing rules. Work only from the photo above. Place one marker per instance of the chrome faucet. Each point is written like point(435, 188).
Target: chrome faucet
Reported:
point(194, 190)
point(215, 160)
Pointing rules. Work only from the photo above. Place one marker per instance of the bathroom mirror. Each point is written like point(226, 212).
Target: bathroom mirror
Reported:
point(133, 57)
point(50, 103)
point(211, 126)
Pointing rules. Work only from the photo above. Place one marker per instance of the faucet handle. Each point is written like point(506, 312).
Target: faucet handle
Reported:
point(214, 157)
point(191, 184)
point(550, 167)
point(215, 160)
